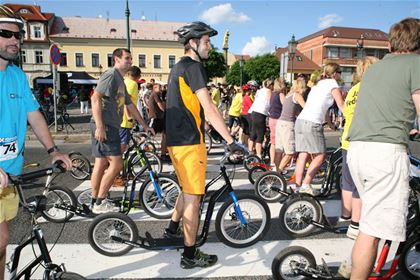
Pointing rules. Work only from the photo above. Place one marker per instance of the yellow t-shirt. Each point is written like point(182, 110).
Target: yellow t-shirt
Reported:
point(236, 106)
point(133, 92)
point(349, 107)
point(215, 96)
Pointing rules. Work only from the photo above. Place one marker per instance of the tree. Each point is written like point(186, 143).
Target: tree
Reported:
point(262, 67)
point(234, 74)
point(215, 65)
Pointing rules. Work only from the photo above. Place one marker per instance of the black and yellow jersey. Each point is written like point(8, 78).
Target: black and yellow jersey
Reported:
point(184, 114)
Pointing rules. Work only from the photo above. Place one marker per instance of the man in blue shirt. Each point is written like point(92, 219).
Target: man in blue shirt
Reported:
point(17, 107)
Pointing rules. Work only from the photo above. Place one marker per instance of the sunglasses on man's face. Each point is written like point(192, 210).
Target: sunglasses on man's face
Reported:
point(8, 34)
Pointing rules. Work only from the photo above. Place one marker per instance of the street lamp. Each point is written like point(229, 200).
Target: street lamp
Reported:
point(241, 66)
point(359, 46)
point(127, 15)
point(292, 51)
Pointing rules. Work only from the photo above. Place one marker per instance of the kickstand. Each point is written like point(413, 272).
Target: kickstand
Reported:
point(325, 267)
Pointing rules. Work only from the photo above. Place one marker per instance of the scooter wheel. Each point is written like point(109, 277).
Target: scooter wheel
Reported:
point(289, 261)
point(109, 225)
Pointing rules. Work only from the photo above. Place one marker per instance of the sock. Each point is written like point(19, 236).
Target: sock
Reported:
point(354, 225)
point(345, 218)
point(173, 226)
point(189, 251)
point(99, 200)
point(92, 202)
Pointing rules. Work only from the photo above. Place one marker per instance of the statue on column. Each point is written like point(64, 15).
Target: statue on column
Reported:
point(226, 40)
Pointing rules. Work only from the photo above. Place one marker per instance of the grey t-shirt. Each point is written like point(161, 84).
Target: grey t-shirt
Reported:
point(385, 109)
point(114, 97)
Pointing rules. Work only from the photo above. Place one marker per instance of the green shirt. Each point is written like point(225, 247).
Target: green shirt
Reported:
point(385, 109)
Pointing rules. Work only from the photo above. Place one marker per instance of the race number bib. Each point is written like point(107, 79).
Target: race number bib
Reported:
point(9, 148)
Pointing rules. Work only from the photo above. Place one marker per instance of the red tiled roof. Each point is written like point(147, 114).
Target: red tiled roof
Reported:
point(349, 33)
point(33, 12)
point(301, 61)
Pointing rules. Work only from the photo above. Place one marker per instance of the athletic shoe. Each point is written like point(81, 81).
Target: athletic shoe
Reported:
point(292, 179)
point(343, 219)
point(105, 207)
point(200, 260)
point(344, 270)
point(308, 189)
point(119, 182)
point(352, 232)
point(169, 234)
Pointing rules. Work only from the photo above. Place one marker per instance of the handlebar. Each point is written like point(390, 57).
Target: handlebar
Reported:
point(55, 168)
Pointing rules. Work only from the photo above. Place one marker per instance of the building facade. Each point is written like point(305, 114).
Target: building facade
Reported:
point(343, 45)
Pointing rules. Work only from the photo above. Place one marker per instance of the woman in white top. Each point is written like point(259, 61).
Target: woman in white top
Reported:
point(309, 131)
point(259, 115)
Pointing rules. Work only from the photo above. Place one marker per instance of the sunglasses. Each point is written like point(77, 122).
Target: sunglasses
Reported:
point(8, 34)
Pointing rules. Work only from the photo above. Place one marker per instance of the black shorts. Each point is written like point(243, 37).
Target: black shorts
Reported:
point(347, 183)
point(158, 125)
point(232, 121)
point(258, 127)
point(110, 147)
point(245, 124)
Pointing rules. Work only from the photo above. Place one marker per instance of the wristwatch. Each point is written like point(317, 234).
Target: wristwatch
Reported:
point(53, 149)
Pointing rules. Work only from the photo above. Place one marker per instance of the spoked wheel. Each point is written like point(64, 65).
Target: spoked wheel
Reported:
point(287, 262)
point(57, 199)
point(81, 166)
point(255, 173)
point(55, 272)
point(251, 161)
point(268, 184)
point(240, 234)
point(297, 213)
point(138, 164)
point(409, 262)
point(109, 225)
point(159, 206)
point(85, 197)
point(148, 146)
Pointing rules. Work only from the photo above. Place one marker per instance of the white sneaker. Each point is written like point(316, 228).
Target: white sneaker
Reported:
point(352, 232)
point(105, 207)
point(307, 189)
point(344, 270)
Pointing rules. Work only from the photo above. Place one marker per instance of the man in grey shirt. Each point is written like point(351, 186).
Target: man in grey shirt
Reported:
point(108, 102)
point(387, 104)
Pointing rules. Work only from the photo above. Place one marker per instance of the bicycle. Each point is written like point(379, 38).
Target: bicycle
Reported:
point(35, 205)
point(242, 220)
point(62, 204)
point(296, 262)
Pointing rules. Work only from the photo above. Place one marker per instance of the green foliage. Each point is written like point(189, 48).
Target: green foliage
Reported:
point(262, 67)
point(215, 65)
point(234, 74)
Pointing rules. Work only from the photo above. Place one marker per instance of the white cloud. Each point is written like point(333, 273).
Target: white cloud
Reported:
point(223, 13)
point(257, 45)
point(329, 20)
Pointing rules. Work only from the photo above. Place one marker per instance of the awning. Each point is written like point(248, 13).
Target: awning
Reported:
point(81, 78)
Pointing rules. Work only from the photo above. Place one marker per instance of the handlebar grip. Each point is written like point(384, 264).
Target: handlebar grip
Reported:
point(58, 167)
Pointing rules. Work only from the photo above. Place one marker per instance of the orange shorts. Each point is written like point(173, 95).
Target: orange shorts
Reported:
point(190, 163)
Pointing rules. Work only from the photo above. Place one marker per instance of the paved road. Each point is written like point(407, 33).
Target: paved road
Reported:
point(250, 263)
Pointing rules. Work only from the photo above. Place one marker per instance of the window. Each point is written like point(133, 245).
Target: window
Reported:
point(95, 60)
point(109, 58)
point(37, 32)
point(310, 54)
point(142, 60)
point(156, 61)
point(23, 56)
point(345, 53)
point(63, 59)
point(79, 60)
point(171, 61)
point(39, 59)
point(369, 52)
point(332, 52)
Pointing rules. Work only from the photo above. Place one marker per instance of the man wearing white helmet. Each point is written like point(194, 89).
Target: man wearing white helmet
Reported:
point(17, 107)
point(187, 101)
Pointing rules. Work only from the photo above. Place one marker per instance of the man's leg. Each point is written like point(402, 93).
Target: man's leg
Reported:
point(4, 240)
point(97, 174)
point(115, 166)
point(363, 256)
point(190, 218)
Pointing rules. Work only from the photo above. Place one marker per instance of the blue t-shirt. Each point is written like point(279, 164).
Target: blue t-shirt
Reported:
point(16, 100)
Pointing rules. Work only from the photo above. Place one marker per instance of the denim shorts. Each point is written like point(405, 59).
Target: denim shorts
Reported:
point(309, 137)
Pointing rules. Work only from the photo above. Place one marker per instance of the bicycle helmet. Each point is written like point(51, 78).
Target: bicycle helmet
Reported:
point(196, 29)
point(8, 16)
point(252, 83)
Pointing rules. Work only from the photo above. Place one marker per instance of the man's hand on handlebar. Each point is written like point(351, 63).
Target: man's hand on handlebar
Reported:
point(64, 158)
point(237, 148)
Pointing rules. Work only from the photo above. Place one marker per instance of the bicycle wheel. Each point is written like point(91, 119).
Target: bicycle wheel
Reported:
point(107, 225)
point(250, 161)
point(85, 197)
point(159, 207)
point(268, 184)
point(138, 164)
point(62, 197)
point(148, 146)
point(81, 166)
point(296, 214)
point(255, 173)
point(409, 263)
point(229, 228)
point(68, 276)
point(290, 259)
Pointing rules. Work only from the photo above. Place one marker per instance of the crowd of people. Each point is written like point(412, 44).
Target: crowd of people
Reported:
point(375, 140)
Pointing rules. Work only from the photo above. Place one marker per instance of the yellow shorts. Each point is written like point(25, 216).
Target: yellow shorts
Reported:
point(190, 163)
point(9, 203)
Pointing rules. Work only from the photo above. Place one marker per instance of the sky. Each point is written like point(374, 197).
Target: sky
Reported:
point(255, 27)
